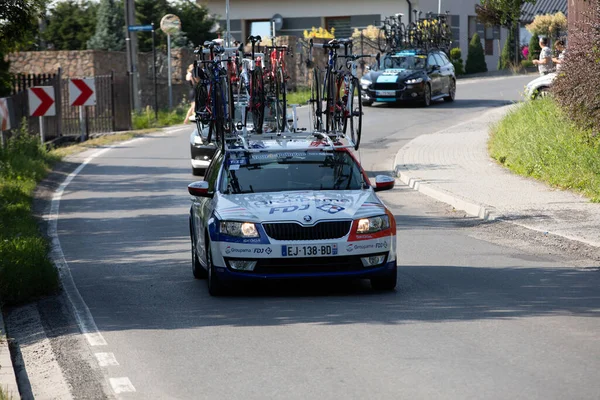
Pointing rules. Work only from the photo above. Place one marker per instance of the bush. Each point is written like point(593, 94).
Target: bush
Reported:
point(534, 48)
point(457, 61)
point(576, 87)
point(527, 63)
point(26, 271)
point(475, 57)
point(145, 119)
point(507, 56)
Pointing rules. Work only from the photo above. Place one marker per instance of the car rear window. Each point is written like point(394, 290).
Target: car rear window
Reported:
point(290, 171)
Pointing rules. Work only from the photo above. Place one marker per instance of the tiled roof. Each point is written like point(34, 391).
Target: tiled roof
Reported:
point(529, 11)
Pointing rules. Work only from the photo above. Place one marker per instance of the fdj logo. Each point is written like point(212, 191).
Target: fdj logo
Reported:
point(288, 209)
point(383, 245)
point(331, 208)
point(268, 250)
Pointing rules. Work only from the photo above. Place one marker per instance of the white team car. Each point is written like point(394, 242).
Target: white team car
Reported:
point(290, 210)
point(539, 87)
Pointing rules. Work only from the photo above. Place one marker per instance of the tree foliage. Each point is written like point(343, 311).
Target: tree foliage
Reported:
point(457, 61)
point(148, 12)
point(505, 13)
point(475, 57)
point(71, 24)
point(507, 56)
point(534, 48)
point(576, 86)
point(196, 22)
point(18, 23)
point(110, 25)
point(549, 25)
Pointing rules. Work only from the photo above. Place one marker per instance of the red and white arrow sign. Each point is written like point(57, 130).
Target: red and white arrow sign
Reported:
point(41, 101)
point(4, 115)
point(82, 92)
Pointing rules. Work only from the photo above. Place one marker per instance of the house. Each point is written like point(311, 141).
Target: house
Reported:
point(254, 16)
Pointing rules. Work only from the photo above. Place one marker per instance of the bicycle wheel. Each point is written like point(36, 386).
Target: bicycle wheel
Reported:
point(328, 90)
point(257, 96)
point(354, 113)
point(339, 105)
point(281, 103)
point(220, 122)
point(315, 101)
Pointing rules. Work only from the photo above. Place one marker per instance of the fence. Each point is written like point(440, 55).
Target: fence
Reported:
point(112, 111)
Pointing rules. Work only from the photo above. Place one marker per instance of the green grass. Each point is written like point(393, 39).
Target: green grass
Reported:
point(539, 141)
point(26, 271)
point(146, 118)
point(300, 96)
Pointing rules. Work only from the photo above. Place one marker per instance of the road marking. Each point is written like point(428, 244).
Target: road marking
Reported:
point(106, 359)
point(121, 385)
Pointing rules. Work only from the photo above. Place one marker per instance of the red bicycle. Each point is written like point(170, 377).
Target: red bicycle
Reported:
point(275, 76)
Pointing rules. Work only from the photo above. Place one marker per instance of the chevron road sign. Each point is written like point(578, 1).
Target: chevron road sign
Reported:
point(82, 92)
point(41, 101)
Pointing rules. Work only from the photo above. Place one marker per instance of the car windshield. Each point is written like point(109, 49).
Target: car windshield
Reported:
point(290, 171)
point(410, 61)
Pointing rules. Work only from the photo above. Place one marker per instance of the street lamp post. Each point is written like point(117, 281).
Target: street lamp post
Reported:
point(439, 6)
point(228, 24)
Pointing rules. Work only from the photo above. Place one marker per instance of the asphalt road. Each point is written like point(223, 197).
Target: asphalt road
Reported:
point(472, 317)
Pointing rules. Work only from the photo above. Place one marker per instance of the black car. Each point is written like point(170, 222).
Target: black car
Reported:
point(202, 152)
point(410, 75)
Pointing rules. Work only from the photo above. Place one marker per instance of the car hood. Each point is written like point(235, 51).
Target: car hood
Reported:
point(542, 80)
point(299, 206)
point(394, 75)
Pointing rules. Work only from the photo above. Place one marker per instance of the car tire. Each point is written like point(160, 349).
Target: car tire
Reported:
point(197, 171)
point(367, 103)
point(197, 270)
point(451, 92)
point(385, 283)
point(542, 92)
point(215, 286)
point(427, 96)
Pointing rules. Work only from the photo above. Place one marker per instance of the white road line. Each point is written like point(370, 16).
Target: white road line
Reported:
point(106, 359)
point(121, 385)
point(84, 317)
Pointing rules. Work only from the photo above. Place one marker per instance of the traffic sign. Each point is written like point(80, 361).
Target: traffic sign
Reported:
point(135, 28)
point(4, 115)
point(41, 101)
point(82, 92)
point(170, 24)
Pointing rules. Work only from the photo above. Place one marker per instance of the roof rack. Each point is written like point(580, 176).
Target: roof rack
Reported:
point(248, 142)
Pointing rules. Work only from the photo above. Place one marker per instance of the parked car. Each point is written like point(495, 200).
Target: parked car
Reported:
point(410, 75)
point(299, 209)
point(539, 87)
point(202, 152)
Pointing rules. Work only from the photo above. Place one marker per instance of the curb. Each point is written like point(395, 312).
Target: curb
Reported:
point(8, 381)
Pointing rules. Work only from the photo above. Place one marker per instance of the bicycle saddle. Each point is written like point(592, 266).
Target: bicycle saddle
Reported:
point(210, 44)
point(254, 39)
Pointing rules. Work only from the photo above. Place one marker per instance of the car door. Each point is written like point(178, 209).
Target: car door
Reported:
point(447, 72)
point(203, 206)
point(433, 70)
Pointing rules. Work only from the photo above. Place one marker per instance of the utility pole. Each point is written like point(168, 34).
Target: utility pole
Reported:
point(132, 50)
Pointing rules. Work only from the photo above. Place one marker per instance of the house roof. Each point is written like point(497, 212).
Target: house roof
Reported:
point(529, 10)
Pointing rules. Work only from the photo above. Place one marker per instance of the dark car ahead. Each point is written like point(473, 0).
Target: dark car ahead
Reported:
point(410, 75)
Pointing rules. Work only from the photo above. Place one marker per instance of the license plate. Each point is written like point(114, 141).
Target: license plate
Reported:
point(386, 92)
point(317, 250)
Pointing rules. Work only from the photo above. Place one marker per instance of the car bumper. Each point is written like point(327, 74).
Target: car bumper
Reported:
point(409, 93)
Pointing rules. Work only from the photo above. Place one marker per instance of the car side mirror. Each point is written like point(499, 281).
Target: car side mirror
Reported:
point(384, 182)
point(200, 189)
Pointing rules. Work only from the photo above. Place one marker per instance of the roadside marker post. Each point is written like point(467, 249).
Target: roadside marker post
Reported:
point(41, 104)
point(5, 123)
point(82, 93)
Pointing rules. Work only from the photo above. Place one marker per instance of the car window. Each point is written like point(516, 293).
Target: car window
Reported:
point(444, 58)
point(439, 60)
point(403, 62)
point(290, 171)
point(212, 172)
point(431, 61)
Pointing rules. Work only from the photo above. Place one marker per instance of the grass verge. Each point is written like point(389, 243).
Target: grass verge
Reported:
point(26, 271)
point(146, 119)
point(300, 96)
point(539, 141)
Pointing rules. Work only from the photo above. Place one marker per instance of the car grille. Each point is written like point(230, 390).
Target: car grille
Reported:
point(307, 265)
point(388, 86)
point(294, 231)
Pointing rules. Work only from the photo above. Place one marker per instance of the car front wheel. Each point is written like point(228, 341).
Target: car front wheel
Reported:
point(197, 270)
point(385, 283)
point(451, 91)
point(215, 286)
point(427, 96)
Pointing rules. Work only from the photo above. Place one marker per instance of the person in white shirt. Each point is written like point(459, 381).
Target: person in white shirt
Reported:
point(545, 62)
point(560, 47)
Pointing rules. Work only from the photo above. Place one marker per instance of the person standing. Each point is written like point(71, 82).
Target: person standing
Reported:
point(545, 62)
point(560, 48)
point(192, 81)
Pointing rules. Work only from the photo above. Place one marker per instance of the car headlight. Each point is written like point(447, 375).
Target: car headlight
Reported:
point(413, 81)
point(365, 83)
point(373, 224)
point(239, 229)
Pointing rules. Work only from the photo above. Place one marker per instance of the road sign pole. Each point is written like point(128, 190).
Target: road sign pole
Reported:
point(169, 71)
point(154, 73)
point(82, 122)
point(41, 119)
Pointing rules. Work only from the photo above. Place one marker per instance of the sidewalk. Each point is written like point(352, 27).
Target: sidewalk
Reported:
point(453, 166)
point(8, 381)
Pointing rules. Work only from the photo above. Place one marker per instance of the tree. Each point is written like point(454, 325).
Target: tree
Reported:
point(71, 24)
point(475, 57)
point(148, 12)
point(551, 26)
point(507, 56)
point(534, 48)
point(110, 25)
point(457, 61)
point(18, 26)
point(196, 22)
